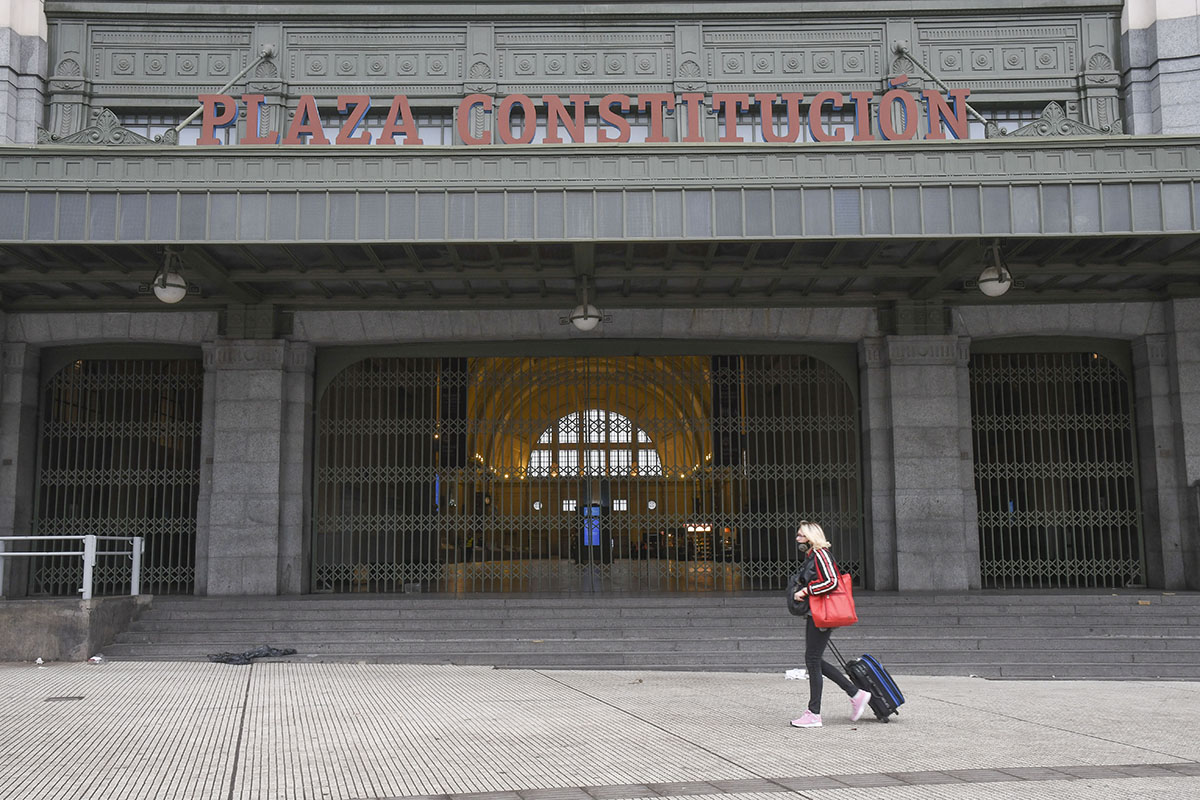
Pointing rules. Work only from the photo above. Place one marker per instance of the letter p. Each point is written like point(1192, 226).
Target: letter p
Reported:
point(211, 119)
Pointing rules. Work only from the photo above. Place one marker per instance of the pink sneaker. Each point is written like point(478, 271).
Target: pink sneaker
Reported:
point(858, 704)
point(807, 720)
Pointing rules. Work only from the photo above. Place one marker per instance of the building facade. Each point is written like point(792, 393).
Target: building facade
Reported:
point(518, 297)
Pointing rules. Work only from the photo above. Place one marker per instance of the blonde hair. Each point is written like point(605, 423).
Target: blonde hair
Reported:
point(812, 531)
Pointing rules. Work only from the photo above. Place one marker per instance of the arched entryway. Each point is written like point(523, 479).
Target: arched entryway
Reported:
point(568, 473)
point(1056, 464)
point(118, 455)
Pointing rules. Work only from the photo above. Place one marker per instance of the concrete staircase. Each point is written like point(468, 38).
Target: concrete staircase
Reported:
point(1127, 634)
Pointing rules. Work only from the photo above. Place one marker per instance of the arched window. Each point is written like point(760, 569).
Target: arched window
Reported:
point(594, 442)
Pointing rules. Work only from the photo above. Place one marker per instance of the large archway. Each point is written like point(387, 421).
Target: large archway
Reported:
point(613, 473)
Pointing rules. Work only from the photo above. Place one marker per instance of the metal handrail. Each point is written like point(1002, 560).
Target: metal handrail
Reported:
point(89, 553)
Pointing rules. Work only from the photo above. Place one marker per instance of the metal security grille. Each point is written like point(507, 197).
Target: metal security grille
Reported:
point(1055, 471)
point(670, 473)
point(120, 456)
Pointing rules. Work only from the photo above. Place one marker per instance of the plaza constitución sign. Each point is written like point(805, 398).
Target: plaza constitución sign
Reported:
point(896, 113)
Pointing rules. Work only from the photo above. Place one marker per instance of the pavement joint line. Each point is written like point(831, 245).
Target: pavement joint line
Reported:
point(1054, 727)
point(237, 747)
point(800, 783)
point(655, 725)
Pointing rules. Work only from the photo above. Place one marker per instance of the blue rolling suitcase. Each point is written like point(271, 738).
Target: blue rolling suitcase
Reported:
point(869, 674)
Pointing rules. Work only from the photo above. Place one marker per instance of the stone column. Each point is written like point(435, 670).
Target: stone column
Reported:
point(296, 479)
point(878, 465)
point(929, 405)
point(23, 70)
point(1163, 498)
point(1183, 356)
point(244, 523)
point(18, 452)
point(1160, 44)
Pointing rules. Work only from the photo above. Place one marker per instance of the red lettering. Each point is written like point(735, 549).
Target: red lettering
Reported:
point(618, 121)
point(728, 103)
point(464, 119)
point(862, 116)
point(556, 112)
point(816, 113)
point(504, 119)
point(254, 104)
point(654, 103)
point(908, 111)
point(399, 120)
point(211, 119)
point(938, 110)
point(693, 102)
point(354, 106)
point(766, 110)
point(307, 122)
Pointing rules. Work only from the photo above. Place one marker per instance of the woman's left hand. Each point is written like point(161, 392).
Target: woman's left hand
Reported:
point(799, 596)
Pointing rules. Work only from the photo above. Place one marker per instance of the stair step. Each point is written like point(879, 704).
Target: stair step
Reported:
point(1102, 634)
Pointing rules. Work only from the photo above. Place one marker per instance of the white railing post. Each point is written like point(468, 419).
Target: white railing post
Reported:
point(89, 564)
point(135, 577)
point(2, 568)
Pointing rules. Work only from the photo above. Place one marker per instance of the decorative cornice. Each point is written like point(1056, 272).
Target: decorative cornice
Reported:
point(912, 351)
point(1054, 122)
point(246, 355)
point(105, 130)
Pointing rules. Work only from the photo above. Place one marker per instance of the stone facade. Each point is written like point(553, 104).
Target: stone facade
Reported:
point(1160, 47)
point(23, 70)
point(919, 497)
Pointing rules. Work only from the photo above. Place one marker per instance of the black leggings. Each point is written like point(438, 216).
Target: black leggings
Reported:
point(815, 642)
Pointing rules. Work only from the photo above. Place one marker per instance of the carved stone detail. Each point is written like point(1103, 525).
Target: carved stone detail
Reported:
point(924, 351)
point(105, 130)
point(248, 355)
point(1054, 122)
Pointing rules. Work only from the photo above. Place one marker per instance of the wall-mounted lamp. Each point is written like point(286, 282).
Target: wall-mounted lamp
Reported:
point(586, 316)
point(995, 279)
point(169, 284)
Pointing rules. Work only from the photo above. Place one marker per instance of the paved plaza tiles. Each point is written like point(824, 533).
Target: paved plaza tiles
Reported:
point(358, 731)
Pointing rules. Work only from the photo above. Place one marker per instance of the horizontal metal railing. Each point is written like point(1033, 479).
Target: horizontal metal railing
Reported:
point(90, 552)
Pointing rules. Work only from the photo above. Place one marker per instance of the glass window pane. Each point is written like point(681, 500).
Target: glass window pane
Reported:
point(648, 463)
point(593, 463)
point(568, 429)
point(539, 463)
point(620, 429)
point(568, 462)
point(620, 505)
point(596, 424)
point(619, 462)
point(545, 438)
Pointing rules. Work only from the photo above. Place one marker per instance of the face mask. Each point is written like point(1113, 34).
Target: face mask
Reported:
point(802, 547)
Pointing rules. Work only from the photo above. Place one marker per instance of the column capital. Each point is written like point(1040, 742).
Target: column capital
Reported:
point(245, 354)
point(928, 350)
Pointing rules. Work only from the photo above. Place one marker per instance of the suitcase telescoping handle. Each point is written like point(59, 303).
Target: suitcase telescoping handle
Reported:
point(838, 655)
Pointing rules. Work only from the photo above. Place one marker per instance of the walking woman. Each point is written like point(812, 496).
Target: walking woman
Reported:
point(819, 575)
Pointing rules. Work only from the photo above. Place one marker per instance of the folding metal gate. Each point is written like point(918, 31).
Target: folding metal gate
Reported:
point(120, 456)
point(1055, 471)
point(581, 474)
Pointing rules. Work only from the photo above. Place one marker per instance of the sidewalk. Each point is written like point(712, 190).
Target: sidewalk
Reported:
point(368, 731)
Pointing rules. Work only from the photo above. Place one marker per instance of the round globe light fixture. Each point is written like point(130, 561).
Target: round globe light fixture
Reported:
point(585, 317)
point(170, 287)
point(994, 281)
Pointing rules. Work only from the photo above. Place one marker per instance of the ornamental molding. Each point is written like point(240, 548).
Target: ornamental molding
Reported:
point(105, 130)
point(1054, 122)
point(1156, 350)
point(873, 352)
point(906, 351)
point(251, 356)
point(754, 38)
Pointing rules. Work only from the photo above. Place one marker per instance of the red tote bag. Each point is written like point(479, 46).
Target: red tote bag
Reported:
point(834, 609)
